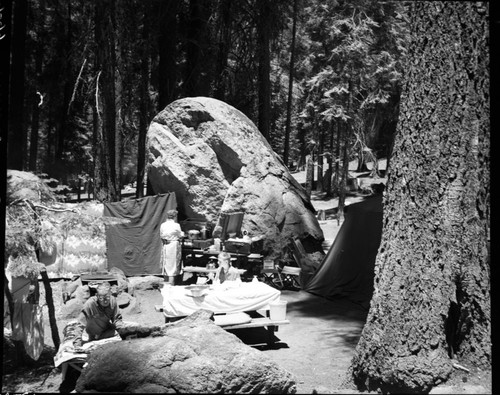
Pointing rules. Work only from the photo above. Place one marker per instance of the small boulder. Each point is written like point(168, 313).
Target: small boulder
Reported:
point(146, 282)
point(193, 355)
point(123, 299)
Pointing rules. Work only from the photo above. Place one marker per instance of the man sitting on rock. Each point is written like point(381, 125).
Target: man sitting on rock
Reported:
point(101, 315)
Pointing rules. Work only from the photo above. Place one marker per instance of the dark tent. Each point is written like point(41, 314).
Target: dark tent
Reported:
point(348, 268)
point(135, 247)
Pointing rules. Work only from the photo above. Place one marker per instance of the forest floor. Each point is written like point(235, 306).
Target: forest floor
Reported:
point(316, 347)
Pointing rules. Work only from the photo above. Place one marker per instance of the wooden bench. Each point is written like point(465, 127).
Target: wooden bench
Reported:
point(257, 322)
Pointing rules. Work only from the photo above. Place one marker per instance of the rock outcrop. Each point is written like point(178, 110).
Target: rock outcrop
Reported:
point(189, 356)
point(216, 160)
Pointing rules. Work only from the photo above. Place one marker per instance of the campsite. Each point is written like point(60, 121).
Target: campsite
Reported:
point(316, 348)
point(252, 196)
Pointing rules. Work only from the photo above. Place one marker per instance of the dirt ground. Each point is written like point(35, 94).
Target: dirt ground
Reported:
point(316, 347)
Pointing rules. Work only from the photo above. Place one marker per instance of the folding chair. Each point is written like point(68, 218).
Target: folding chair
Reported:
point(271, 275)
point(290, 277)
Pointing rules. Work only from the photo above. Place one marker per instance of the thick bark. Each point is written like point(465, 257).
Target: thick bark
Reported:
point(432, 281)
point(286, 148)
point(264, 72)
point(17, 131)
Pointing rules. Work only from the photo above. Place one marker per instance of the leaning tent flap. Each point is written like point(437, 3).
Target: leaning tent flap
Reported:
point(135, 246)
point(348, 268)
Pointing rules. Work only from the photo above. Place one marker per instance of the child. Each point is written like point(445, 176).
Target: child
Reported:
point(225, 271)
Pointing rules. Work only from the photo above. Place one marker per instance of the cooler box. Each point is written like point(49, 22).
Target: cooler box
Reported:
point(202, 244)
point(239, 247)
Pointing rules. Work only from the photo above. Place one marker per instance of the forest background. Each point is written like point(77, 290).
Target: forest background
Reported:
point(320, 79)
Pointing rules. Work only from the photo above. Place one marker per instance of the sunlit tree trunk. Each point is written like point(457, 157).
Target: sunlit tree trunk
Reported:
point(431, 304)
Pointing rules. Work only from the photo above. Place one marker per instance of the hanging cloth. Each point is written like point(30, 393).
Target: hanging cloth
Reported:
point(28, 327)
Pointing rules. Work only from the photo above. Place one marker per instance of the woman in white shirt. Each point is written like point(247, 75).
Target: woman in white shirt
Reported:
point(171, 233)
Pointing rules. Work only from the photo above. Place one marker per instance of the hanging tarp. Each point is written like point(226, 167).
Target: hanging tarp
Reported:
point(135, 246)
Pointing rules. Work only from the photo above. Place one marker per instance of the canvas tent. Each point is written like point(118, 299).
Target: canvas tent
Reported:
point(348, 267)
point(135, 246)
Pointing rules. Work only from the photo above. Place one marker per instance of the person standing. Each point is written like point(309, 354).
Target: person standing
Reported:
point(171, 234)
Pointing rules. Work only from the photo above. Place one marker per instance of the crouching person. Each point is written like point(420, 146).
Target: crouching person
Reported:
point(101, 315)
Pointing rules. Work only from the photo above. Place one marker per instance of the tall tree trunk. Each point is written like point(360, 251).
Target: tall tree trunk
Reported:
point(336, 174)
point(345, 153)
point(106, 185)
point(35, 124)
point(224, 45)
point(144, 104)
point(120, 104)
point(432, 277)
point(51, 310)
point(309, 174)
point(321, 149)
point(63, 125)
point(344, 171)
point(196, 48)
point(17, 132)
point(329, 172)
point(288, 126)
point(264, 72)
point(167, 41)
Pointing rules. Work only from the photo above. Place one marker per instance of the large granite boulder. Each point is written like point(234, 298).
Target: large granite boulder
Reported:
point(189, 356)
point(216, 160)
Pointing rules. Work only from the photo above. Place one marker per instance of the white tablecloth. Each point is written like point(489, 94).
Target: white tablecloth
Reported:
point(229, 297)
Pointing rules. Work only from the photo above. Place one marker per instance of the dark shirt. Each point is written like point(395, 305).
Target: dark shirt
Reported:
point(101, 321)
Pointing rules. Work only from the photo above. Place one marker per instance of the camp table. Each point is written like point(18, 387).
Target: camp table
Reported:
point(230, 299)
